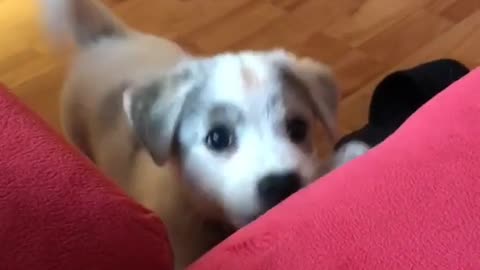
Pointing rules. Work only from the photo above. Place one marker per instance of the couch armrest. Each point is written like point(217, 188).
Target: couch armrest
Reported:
point(413, 202)
point(58, 212)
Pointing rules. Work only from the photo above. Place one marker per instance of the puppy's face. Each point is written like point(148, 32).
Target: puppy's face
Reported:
point(241, 127)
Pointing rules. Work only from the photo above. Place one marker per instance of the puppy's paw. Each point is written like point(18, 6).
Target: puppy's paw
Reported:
point(349, 152)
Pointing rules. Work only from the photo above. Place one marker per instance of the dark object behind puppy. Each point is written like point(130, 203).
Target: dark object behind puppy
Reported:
point(397, 97)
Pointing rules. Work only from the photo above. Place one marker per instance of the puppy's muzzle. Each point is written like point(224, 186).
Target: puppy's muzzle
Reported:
point(274, 188)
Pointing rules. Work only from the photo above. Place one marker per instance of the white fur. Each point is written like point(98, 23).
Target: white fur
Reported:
point(349, 152)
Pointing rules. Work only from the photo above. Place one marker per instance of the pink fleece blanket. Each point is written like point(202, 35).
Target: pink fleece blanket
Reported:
point(58, 212)
point(413, 202)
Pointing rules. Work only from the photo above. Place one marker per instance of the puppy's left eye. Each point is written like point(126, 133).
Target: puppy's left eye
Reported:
point(219, 138)
point(297, 129)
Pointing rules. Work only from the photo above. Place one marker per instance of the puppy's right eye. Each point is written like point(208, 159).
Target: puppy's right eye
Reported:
point(219, 138)
point(297, 129)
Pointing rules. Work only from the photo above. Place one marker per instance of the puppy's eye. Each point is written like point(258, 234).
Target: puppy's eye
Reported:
point(297, 129)
point(219, 138)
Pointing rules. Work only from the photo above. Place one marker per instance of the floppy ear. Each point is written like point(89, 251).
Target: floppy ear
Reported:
point(318, 84)
point(154, 108)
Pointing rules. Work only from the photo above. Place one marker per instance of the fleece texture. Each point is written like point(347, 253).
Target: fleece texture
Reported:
point(57, 212)
point(412, 202)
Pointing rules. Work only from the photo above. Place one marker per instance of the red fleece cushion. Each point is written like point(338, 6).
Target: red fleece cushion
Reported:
point(411, 203)
point(58, 212)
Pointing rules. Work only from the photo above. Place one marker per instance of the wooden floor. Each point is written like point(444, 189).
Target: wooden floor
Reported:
point(362, 40)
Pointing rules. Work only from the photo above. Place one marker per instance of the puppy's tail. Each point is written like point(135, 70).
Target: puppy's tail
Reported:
point(79, 22)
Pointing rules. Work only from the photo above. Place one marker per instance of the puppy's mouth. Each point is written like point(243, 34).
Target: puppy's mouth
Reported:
point(246, 221)
point(251, 218)
point(272, 190)
point(255, 217)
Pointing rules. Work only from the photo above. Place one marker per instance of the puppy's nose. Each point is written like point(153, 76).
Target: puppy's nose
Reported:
point(274, 188)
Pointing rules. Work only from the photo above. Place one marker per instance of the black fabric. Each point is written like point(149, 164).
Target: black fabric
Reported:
point(400, 94)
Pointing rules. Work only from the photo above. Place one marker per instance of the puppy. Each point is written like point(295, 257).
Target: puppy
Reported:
point(200, 140)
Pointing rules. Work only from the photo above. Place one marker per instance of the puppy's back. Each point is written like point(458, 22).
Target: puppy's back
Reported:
point(107, 55)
